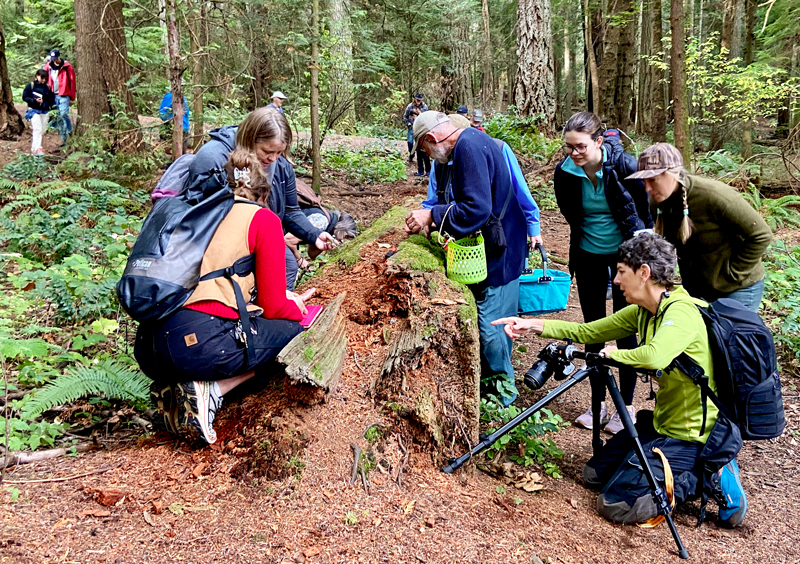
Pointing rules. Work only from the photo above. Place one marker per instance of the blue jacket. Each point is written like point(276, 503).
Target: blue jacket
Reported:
point(207, 175)
point(165, 110)
point(523, 193)
point(627, 199)
point(480, 184)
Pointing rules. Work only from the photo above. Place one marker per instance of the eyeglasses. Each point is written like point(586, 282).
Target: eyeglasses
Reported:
point(580, 149)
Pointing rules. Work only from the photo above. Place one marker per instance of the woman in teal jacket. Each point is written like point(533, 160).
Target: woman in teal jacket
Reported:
point(668, 323)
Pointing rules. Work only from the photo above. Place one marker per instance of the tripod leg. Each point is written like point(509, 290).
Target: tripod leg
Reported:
point(598, 392)
point(659, 495)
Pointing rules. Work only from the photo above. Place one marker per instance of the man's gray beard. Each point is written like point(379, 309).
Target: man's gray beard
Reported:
point(439, 155)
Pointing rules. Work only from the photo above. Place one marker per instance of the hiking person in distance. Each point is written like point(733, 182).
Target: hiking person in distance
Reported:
point(277, 101)
point(603, 209)
point(669, 323)
point(61, 80)
point(417, 103)
point(40, 100)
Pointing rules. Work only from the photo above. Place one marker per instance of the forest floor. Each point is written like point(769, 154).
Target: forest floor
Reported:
point(276, 487)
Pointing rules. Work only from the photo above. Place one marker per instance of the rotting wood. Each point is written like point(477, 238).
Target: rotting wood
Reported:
point(315, 357)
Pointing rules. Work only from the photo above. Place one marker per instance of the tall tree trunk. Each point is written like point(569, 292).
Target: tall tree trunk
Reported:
point(644, 109)
point(794, 101)
point(717, 138)
point(342, 94)
point(103, 71)
point(487, 79)
point(198, 48)
point(738, 29)
point(534, 91)
point(316, 153)
point(658, 101)
point(570, 67)
point(626, 67)
point(609, 70)
point(459, 49)
point(749, 57)
point(174, 45)
point(11, 124)
point(592, 74)
point(678, 71)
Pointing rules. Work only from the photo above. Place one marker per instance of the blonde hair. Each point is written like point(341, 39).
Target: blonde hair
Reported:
point(262, 125)
point(246, 176)
point(685, 228)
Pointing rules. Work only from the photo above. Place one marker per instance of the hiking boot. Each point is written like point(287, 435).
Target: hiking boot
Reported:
point(198, 403)
point(731, 497)
point(585, 420)
point(162, 398)
point(615, 421)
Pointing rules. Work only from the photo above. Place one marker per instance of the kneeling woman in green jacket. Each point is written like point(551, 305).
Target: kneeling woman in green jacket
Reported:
point(668, 323)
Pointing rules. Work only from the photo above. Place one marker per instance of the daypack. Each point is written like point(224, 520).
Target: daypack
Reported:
point(745, 370)
point(174, 179)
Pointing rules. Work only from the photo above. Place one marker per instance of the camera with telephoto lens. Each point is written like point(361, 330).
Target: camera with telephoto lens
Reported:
point(553, 360)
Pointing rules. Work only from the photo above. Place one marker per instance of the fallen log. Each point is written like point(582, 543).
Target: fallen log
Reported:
point(315, 357)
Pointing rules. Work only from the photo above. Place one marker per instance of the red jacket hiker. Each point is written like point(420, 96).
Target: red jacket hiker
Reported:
point(66, 79)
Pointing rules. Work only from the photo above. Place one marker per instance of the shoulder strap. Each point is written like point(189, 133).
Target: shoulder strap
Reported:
point(505, 205)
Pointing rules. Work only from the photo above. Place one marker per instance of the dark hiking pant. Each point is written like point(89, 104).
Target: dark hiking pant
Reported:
point(625, 494)
point(191, 345)
point(591, 274)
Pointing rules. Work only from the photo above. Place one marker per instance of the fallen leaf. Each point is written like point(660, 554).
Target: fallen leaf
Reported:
point(384, 245)
point(60, 523)
point(200, 469)
point(327, 494)
point(574, 503)
point(29, 286)
point(312, 551)
point(96, 513)
point(158, 506)
point(410, 507)
point(442, 301)
point(109, 497)
point(147, 518)
point(176, 508)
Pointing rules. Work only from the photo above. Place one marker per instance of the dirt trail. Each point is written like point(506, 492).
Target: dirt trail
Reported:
point(164, 500)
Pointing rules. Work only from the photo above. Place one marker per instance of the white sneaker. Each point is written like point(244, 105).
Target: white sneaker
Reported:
point(586, 419)
point(615, 422)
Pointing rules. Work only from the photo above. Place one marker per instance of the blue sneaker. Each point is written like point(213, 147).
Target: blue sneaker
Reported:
point(733, 502)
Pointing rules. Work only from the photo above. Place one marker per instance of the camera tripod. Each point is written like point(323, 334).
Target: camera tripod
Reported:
point(557, 359)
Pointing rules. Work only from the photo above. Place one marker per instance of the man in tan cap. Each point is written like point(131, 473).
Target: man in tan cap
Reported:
point(478, 187)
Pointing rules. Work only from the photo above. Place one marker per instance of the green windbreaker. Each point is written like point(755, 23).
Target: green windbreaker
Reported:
point(677, 327)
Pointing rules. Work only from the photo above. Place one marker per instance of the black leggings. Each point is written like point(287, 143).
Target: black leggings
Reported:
point(591, 274)
point(423, 162)
point(191, 345)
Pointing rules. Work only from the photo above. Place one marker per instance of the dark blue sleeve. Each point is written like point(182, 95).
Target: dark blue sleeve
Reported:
point(472, 191)
point(636, 189)
point(294, 220)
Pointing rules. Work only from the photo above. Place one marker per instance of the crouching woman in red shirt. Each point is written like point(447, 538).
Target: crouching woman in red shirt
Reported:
point(198, 354)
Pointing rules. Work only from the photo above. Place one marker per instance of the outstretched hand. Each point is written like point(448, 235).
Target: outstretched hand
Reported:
point(325, 241)
point(300, 299)
point(516, 327)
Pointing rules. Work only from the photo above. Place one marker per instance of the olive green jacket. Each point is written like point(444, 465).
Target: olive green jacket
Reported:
point(728, 238)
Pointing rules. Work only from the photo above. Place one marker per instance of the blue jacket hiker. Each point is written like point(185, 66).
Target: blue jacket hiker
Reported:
point(40, 100)
point(165, 110)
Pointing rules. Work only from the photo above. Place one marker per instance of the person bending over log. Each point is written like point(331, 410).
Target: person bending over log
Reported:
point(266, 133)
point(198, 354)
point(669, 323)
point(720, 238)
point(481, 188)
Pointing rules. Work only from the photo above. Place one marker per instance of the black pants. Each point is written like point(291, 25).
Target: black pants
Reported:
point(591, 273)
point(423, 162)
point(626, 496)
point(191, 345)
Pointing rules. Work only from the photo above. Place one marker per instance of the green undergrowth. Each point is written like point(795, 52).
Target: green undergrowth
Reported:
point(372, 165)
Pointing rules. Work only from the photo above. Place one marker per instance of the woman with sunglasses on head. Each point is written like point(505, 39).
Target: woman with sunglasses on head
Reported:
point(603, 210)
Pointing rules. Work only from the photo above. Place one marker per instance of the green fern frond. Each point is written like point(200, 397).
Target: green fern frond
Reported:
point(107, 377)
point(6, 184)
point(104, 185)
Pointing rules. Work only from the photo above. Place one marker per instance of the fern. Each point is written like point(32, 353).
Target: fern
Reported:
point(777, 212)
point(107, 377)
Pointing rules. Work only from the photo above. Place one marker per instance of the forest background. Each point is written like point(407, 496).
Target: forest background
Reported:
point(719, 79)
